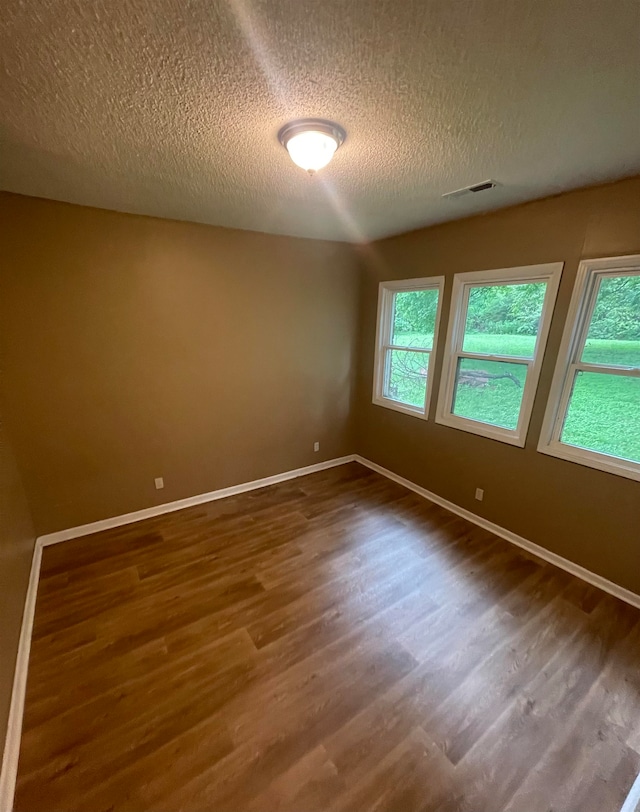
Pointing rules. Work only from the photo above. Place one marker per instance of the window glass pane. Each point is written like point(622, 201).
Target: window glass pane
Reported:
point(414, 318)
point(614, 332)
point(504, 319)
point(406, 379)
point(604, 415)
point(489, 391)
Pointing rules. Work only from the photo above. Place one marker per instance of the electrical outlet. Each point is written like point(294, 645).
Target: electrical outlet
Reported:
point(159, 483)
point(479, 494)
point(316, 446)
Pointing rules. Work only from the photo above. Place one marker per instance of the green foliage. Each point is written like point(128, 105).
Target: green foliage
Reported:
point(503, 320)
point(515, 309)
point(415, 312)
point(604, 415)
point(605, 409)
point(408, 377)
point(497, 401)
point(617, 310)
point(506, 309)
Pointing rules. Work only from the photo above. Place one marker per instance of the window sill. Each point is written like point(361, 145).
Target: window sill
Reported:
point(397, 406)
point(591, 459)
point(482, 429)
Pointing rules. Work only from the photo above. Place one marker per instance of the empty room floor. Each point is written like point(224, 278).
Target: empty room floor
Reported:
point(334, 642)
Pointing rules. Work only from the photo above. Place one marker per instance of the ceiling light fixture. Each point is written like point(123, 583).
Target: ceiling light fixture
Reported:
point(311, 142)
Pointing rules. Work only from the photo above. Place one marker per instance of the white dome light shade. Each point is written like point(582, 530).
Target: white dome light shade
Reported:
point(311, 143)
point(311, 150)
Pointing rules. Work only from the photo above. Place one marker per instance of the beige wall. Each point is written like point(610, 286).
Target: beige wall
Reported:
point(587, 516)
point(212, 357)
point(155, 348)
point(16, 549)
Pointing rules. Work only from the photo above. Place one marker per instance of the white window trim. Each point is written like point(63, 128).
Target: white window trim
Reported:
point(578, 320)
point(550, 273)
point(386, 291)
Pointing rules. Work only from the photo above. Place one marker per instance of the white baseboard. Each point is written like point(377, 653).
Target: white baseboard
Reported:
point(180, 504)
point(12, 743)
point(541, 552)
point(16, 709)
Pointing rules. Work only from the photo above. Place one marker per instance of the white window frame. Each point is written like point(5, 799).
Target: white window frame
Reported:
point(386, 293)
point(590, 273)
point(462, 284)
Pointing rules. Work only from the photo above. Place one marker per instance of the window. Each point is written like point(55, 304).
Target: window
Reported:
point(593, 415)
point(497, 334)
point(408, 316)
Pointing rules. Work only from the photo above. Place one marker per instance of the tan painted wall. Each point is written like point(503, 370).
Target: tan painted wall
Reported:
point(16, 549)
point(157, 348)
point(211, 357)
point(590, 517)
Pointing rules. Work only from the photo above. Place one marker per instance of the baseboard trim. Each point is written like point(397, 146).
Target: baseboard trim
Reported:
point(16, 709)
point(180, 504)
point(14, 729)
point(541, 552)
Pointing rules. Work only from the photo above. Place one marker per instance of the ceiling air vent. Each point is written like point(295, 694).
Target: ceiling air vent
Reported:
point(477, 187)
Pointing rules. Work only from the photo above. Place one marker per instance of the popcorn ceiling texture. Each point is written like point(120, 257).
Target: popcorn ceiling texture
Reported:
point(171, 107)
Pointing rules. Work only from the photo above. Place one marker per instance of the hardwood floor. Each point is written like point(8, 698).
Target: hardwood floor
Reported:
point(330, 643)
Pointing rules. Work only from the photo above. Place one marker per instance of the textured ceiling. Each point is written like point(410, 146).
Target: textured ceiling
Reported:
point(172, 107)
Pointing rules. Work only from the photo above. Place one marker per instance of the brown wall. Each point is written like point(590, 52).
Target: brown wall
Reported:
point(16, 549)
point(212, 357)
point(155, 348)
point(585, 515)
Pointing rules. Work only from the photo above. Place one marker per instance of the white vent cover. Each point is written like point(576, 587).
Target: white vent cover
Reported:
point(474, 189)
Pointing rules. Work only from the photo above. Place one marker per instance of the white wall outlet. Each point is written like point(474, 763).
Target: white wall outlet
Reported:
point(159, 483)
point(316, 446)
point(479, 494)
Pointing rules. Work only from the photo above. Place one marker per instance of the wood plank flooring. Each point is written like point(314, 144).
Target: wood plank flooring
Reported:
point(330, 643)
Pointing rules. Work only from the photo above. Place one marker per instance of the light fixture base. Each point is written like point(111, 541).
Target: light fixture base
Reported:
point(311, 142)
point(319, 125)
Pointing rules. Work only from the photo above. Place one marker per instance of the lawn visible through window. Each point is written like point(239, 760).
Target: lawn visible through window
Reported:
point(604, 415)
point(414, 318)
point(406, 333)
point(407, 378)
point(593, 415)
point(413, 326)
point(489, 391)
point(504, 319)
point(613, 338)
point(499, 323)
